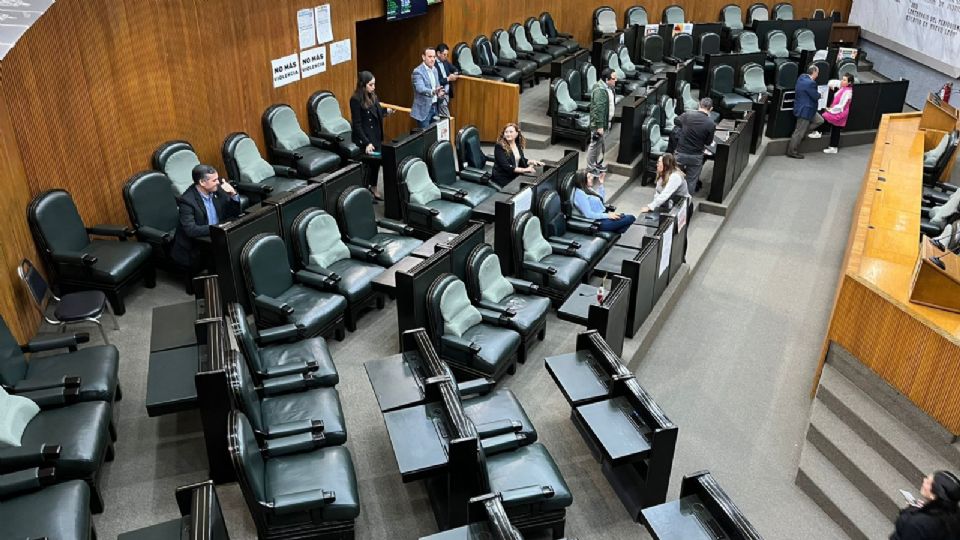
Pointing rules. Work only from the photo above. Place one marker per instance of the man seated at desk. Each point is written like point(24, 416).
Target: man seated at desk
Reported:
point(207, 202)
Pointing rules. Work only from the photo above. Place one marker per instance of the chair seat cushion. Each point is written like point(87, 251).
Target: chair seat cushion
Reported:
point(80, 305)
point(316, 161)
point(476, 193)
point(80, 429)
point(329, 469)
point(497, 346)
point(529, 311)
point(569, 271)
point(356, 278)
point(540, 58)
point(60, 511)
point(499, 405)
point(395, 247)
point(313, 309)
point(559, 47)
point(116, 261)
point(591, 247)
point(452, 215)
point(315, 404)
point(281, 184)
point(527, 466)
point(526, 67)
point(509, 74)
point(96, 366)
point(315, 349)
point(730, 101)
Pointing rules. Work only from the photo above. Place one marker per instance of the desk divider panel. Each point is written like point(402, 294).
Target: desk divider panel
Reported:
point(679, 247)
point(412, 289)
point(291, 204)
point(504, 213)
point(460, 247)
point(610, 317)
point(567, 164)
point(228, 240)
point(334, 184)
point(719, 504)
point(392, 153)
point(665, 235)
point(642, 272)
point(632, 115)
point(213, 397)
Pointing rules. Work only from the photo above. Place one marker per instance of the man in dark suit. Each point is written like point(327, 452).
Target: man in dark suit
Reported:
point(207, 202)
point(447, 73)
point(805, 106)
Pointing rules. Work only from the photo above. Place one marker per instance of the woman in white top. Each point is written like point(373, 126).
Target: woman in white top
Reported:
point(670, 182)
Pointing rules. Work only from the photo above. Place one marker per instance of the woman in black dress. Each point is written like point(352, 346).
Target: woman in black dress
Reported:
point(934, 517)
point(367, 115)
point(508, 159)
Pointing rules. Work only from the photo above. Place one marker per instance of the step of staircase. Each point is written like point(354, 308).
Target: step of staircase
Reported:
point(530, 128)
point(537, 141)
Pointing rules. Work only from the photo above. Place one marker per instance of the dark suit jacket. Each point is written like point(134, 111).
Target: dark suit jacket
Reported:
point(367, 124)
point(194, 222)
point(503, 165)
point(808, 95)
point(443, 80)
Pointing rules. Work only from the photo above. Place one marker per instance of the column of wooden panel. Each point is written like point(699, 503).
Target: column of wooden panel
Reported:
point(489, 105)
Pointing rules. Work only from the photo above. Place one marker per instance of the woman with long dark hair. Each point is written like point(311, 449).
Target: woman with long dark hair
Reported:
point(936, 516)
point(367, 115)
point(588, 201)
point(509, 160)
point(670, 182)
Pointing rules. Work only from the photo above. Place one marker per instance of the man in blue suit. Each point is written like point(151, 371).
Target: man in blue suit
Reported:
point(805, 109)
point(426, 89)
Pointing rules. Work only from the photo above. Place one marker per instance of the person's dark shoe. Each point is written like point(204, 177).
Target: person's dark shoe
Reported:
point(699, 187)
point(795, 155)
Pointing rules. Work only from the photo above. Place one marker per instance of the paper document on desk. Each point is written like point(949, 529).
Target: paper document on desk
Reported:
point(665, 247)
point(823, 90)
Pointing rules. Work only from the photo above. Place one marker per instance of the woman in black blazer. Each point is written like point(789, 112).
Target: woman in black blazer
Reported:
point(508, 159)
point(367, 115)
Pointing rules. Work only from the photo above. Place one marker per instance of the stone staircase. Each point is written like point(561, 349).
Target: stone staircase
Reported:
point(865, 442)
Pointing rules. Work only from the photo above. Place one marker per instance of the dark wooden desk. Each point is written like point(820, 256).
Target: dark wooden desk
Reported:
point(386, 282)
point(580, 380)
point(170, 380)
point(486, 211)
point(396, 381)
point(418, 445)
point(172, 326)
point(683, 519)
point(429, 246)
point(620, 437)
point(612, 262)
point(576, 309)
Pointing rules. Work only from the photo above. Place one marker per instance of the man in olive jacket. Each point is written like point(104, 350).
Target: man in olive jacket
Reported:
point(601, 113)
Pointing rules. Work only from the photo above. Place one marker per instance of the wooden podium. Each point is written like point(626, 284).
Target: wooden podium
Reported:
point(934, 286)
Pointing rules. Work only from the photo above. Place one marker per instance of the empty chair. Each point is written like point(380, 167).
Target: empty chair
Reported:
point(463, 58)
point(568, 120)
point(654, 144)
point(942, 212)
point(732, 18)
point(753, 84)
point(669, 107)
point(804, 40)
point(32, 508)
point(476, 342)
point(294, 490)
point(722, 90)
point(252, 175)
point(545, 27)
point(483, 52)
point(327, 122)
point(556, 273)
point(673, 14)
point(819, 14)
point(281, 296)
point(823, 71)
point(604, 22)
point(681, 48)
point(474, 163)
point(626, 63)
point(152, 207)
point(555, 47)
point(525, 50)
point(748, 42)
point(509, 57)
point(288, 145)
point(777, 50)
point(360, 226)
point(623, 86)
point(426, 207)
point(176, 159)
point(77, 263)
point(757, 12)
point(635, 16)
point(588, 79)
point(936, 160)
point(686, 99)
point(709, 44)
point(344, 267)
point(786, 75)
point(651, 53)
point(574, 80)
point(442, 167)
point(553, 225)
point(847, 66)
point(783, 11)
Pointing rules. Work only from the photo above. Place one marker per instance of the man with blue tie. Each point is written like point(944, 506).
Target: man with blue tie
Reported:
point(207, 202)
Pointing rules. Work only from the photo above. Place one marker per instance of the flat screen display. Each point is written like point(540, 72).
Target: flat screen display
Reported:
point(403, 9)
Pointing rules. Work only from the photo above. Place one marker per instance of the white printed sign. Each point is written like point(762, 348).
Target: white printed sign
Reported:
point(305, 25)
point(651, 29)
point(666, 245)
point(682, 28)
point(324, 24)
point(286, 70)
point(443, 130)
point(313, 61)
point(340, 52)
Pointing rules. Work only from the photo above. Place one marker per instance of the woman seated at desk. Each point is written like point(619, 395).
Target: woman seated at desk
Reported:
point(508, 159)
point(670, 182)
point(588, 199)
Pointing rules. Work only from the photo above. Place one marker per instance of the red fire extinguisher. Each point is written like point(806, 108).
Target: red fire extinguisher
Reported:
point(946, 91)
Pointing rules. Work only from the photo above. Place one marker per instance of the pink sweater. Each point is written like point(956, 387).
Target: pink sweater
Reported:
point(837, 113)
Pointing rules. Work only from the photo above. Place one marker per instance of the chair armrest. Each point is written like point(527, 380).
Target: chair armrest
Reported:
point(743, 92)
point(477, 176)
point(585, 227)
point(53, 397)
point(286, 154)
point(506, 62)
point(67, 381)
point(502, 443)
point(422, 210)
point(118, 231)
point(452, 195)
point(366, 244)
point(57, 342)
point(25, 481)
point(272, 305)
point(283, 170)
point(672, 60)
point(487, 70)
point(250, 187)
point(526, 495)
point(17, 458)
point(495, 318)
point(73, 257)
point(292, 368)
point(459, 344)
point(285, 383)
point(497, 308)
point(475, 387)
point(559, 248)
point(564, 242)
point(539, 267)
point(395, 226)
point(322, 143)
point(302, 501)
point(293, 444)
point(278, 333)
point(524, 286)
point(361, 253)
point(155, 235)
point(288, 429)
point(329, 137)
point(715, 96)
point(312, 277)
point(498, 427)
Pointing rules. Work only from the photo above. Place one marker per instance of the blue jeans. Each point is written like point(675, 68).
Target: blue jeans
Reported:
point(429, 119)
point(618, 226)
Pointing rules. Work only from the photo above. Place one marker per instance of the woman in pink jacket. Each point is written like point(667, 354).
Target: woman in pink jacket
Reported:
point(836, 115)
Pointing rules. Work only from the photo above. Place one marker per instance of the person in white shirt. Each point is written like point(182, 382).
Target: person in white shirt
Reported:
point(670, 182)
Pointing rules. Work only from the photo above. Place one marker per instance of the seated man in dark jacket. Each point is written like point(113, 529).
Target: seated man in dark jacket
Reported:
point(207, 202)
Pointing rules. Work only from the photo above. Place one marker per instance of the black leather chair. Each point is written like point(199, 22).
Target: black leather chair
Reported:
point(673, 14)
point(783, 11)
point(569, 120)
point(545, 27)
point(251, 174)
point(152, 208)
point(635, 16)
point(939, 212)
point(292, 488)
point(732, 18)
point(556, 273)
point(517, 298)
point(277, 413)
point(474, 163)
point(272, 354)
point(464, 60)
point(627, 67)
point(426, 207)
point(786, 75)
point(288, 145)
point(823, 71)
point(654, 144)
point(327, 123)
point(75, 262)
point(803, 40)
point(574, 80)
point(575, 220)
point(722, 84)
point(752, 85)
point(574, 242)
point(483, 52)
point(848, 66)
point(681, 48)
point(345, 267)
point(507, 56)
point(819, 14)
point(588, 79)
point(30, 507)
point(556, 48)
point(176, 159)
point(748, 42)
point(442, 166)
point(935, 161)
point(604, 22)
point(777, 47)
point(757, 12)
point(651, 53)
point(541, 54)
point(685, 97)
point(281, 296)
point(668, 106)
point(474, 342)
point(709, 44)
point(624, 87)
point(360, 226)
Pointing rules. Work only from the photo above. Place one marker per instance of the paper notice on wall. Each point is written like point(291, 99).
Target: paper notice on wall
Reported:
point(286, 70)
point(682, 28)
point(666, 245)
point(340, 52)
point(651, 29)
point(682, 216)
point(522, 201)
point(324, 23)
point(305, 25)
point(443, 130)
point(313, 61)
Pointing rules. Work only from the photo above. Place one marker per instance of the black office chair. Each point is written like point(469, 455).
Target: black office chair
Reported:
point(803, 40)
point(555, 47)
point(327, 122)
point(288, 145)
point(426, 207)
point(588, 79)
point(673, 14)
point(553, 226)
point(681, 48)
point(757, 12)
point(685, 98)
point(545, 27)
point(33, 506)
point(635, 16)
point(709, 44)
point(604, 22)
point(654, 145)
point(722, 90)
point(823, 72)
point(935, 161)
point(176, 159)
point(627, 68)
point(518, 39)
point(786, 75)
point(506, 56)
point(474, 164)
point(569, 120)
point(752, 83)
point(463, 58)
point(573, 80)
point(152, 207)
point(819, 14)
point(732, 18)
point(442, 166)
point(483, 52)
point(556, 273)
point(783, 11)
point(777, 49)
point(652, 54)
point(668, 106)
point(361, 226)
point(940, 212)
point(251, 174)
point(624, 87)
point(848, 66)
point(575, 220)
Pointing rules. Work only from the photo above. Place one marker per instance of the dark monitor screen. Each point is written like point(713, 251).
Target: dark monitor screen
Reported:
point(402, 9)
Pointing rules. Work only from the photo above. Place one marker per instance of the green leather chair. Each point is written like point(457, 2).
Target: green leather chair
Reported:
point(318, 244)
point(576, 221)
point(553, 225)
point(152, 208)
point(176, 159)
point(275, 411)
point(75, 262)
point(200, 517)
point(327, 123)
point(493, 412)
point(556, 273)
point(281, 296)
point(272, 354)
point(518, 39)
point(474, 164)
point(476, 342)
point(442, 167)
point(292, 488)
point(489, 289)
point(426, 207)
point(288, 145)
point(32, 508)
point(543, 35)
point(252, 175)
point(361, 227)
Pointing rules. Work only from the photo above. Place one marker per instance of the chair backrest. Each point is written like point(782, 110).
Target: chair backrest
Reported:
point(537, 32)
point(519, 36)
point(709, 43)
point(613, 62)
point(732, 17)
point(652, 48)
point(683, 90)
point(463, 57)
point(747, 42)
point(501, 41)
point(441, 163)
point(682, 46)
point(588, 77)
point(534, 247)
point(647, 131)
point(316, 239)
point(546, 22)
point(266, 265)
point(244, 336)
point(624, 57)
point(36, 285)
point(787, 74)
point(176, 159)
point(804, 40)
point(783, 12)
point(819, 14)
point(469, 150)
point(56, 223)
point(635, 15)
point(565, 188)
point(942, 215)
point(356, 214)
point(673, 15)
point(548, 209)
point(722, 79)
point(604, 20)
point(449, 307)
point(150, 201)
point(282, 129)
point(669, 107)
point(415, 182)
point(484, 277)
point(247, 461)
point(847, 65)
point(13, 364)
point(758, 12)
point(484, 51)
point(823, 71)
point(752, 76)
point(777, 44)
point(243, 160)
point(244, 390)
point(325, 116)
point(572, 78)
